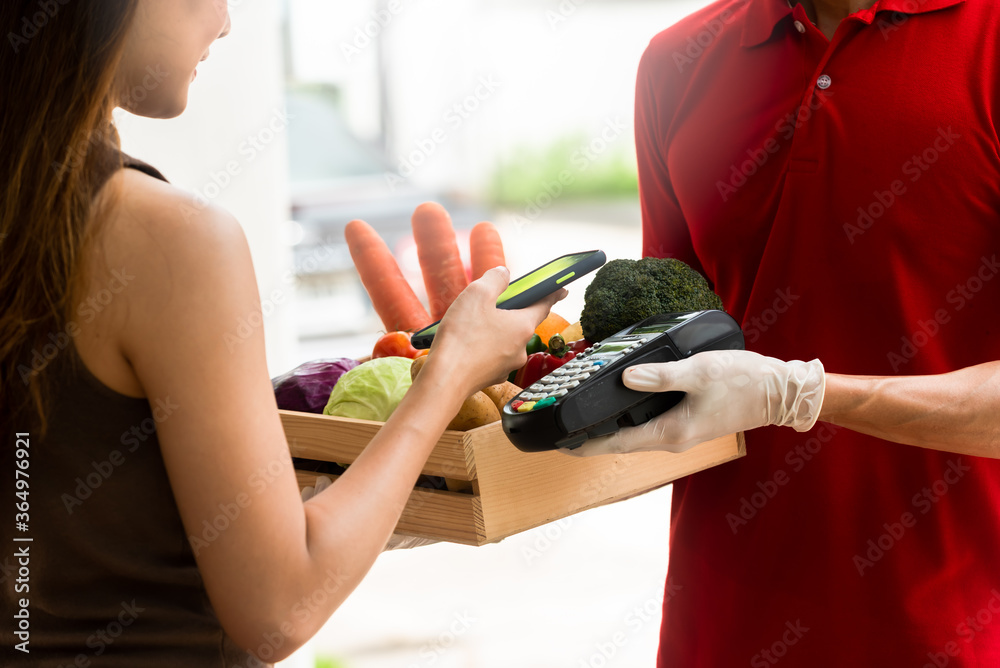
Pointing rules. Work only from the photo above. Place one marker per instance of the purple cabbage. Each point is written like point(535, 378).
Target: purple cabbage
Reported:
point(307, 387)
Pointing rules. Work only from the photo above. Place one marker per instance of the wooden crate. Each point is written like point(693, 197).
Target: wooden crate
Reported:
point(513, 491)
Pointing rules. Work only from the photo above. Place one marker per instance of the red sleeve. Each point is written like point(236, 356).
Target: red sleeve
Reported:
point(664, 231)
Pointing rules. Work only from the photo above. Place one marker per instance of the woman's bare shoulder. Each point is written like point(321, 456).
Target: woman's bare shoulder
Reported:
point(147, 215)
point(185, 259)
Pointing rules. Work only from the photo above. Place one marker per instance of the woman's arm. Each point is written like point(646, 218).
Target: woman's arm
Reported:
point(349, 523)
point(275, 569)
point(956, 412)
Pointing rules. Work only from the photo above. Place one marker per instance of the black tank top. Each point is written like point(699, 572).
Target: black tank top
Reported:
point(112, 581)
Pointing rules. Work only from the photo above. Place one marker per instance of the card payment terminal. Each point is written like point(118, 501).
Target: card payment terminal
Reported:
point(586, 398)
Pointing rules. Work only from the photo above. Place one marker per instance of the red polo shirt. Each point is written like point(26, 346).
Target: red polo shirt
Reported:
point(843, 197)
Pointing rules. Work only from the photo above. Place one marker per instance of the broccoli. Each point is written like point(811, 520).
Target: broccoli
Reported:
point(625, 292)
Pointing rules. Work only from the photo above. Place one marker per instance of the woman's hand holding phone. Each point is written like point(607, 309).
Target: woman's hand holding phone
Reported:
point(477, 344)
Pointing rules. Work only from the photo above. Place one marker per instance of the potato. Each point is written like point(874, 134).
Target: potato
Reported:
point(477, 411)
point(417, 365)
point(502, 393)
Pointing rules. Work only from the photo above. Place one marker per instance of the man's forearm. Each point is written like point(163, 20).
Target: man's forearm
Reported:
point(956, 412)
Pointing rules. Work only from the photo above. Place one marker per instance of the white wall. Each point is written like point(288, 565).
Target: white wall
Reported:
point(560, 67)
point(238, 95)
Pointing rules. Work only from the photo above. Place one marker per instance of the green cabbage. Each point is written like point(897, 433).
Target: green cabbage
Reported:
point(372, 390)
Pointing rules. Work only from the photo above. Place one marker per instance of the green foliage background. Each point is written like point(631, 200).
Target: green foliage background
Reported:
point(522, 179)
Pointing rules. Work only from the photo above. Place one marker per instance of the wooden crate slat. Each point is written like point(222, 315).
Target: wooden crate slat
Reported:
point(516, 491)
point(521, 490)
point(429, 513)
point(341, 440)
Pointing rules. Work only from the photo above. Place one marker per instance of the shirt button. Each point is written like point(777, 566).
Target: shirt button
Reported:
point(799, 26)
point(824, 81)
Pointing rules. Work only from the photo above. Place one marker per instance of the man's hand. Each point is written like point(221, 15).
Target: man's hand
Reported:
point(727, 391)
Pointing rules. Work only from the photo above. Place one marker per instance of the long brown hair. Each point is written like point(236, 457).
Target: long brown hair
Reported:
point(57, 148)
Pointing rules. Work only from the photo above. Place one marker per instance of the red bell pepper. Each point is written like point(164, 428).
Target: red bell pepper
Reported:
point(542, 364)
point(538, 366)
point(558, 345)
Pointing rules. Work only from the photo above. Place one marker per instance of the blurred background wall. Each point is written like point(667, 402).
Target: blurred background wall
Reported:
point(231, 148)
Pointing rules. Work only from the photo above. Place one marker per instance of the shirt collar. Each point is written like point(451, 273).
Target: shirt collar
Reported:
point(764, 15)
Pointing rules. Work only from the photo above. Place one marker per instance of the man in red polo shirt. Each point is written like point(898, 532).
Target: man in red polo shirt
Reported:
point(836, 177)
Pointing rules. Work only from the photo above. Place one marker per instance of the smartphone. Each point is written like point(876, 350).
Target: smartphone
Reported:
point(531, 287)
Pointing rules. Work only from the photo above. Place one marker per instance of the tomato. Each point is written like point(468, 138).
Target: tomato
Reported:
point(395, 344)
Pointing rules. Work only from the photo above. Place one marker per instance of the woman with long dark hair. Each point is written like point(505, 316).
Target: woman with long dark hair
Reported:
point(145, 431)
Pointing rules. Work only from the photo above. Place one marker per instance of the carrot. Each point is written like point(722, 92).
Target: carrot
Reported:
point(440, 262)
point(391, 295)
point(486, 249)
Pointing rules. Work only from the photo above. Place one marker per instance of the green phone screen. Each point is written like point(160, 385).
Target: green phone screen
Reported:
point(534, 278)
point(538, 275)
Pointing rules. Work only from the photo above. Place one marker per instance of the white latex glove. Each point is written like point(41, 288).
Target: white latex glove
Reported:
point(727, 391)
point(396, 541)
point(322, 482)
point(401, 542)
